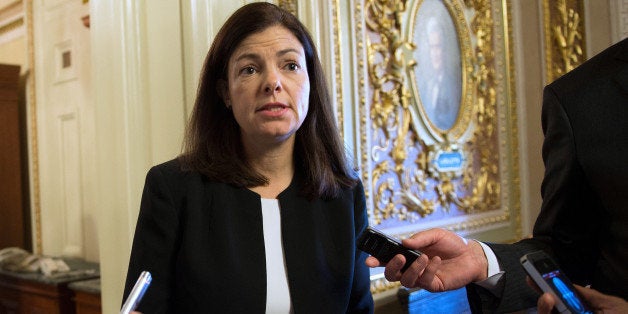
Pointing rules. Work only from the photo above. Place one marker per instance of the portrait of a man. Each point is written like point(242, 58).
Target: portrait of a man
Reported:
point(438, 71)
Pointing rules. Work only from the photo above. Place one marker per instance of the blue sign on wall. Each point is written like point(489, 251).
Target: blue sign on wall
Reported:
point(449, 161)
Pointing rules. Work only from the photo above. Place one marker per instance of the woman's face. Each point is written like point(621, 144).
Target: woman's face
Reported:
point(268, 86)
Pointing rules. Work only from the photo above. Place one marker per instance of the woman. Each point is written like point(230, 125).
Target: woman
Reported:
point(261, 211)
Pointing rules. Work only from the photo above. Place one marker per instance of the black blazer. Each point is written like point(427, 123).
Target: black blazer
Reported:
point(204, 245)
point(584, 217)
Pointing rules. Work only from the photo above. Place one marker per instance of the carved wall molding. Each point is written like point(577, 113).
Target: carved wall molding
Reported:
point(563, 25)
point(33, 131)
point(12, 24)
point(338, 61)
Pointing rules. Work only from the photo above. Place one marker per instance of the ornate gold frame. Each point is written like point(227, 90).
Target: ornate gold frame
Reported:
point(563, 26)
point(400, 150)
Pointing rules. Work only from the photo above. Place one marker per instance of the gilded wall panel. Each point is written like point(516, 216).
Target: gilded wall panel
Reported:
point(437, 117)
point(563, 25)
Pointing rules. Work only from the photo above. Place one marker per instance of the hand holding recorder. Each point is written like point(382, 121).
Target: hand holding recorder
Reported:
point(448, 262)
point(384, 247)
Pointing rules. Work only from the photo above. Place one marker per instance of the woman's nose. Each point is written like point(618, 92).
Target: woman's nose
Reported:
point(273, 84)
point(272, 87)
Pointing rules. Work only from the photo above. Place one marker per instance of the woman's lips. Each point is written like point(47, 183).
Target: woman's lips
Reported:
point(273, 109)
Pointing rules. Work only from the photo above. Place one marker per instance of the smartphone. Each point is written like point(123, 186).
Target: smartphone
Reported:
point(384, 247)
point(137, 293)
point(550, 278)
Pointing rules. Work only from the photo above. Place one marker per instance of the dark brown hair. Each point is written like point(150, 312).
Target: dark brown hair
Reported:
point(212, 143)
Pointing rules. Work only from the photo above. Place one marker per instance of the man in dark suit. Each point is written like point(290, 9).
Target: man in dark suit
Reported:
point(583, 219)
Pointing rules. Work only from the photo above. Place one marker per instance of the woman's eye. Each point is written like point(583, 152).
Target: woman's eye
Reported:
point(293, 66)
point(248, 70)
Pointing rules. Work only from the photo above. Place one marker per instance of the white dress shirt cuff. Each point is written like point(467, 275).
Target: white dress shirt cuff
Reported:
point(492, 281)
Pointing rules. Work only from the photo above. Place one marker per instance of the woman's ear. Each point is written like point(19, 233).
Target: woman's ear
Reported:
point(223, 91)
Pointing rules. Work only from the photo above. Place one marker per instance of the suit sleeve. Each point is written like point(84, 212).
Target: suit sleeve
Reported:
point(566, 222)
point(516, 295)
point(154, 244)
point(361, 298)
point(558, 228)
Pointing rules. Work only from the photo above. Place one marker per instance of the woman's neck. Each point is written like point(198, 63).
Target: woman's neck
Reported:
point(276, 163)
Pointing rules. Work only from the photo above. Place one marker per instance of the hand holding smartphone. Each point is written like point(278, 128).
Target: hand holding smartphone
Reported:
point(137, 293)
point(384, 248)
point(550, 278)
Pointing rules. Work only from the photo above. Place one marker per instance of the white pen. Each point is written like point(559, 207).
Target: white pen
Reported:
point(137, 293)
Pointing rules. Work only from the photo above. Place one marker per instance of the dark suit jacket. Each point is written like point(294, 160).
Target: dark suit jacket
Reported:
point(204, 245)
point(584, 217)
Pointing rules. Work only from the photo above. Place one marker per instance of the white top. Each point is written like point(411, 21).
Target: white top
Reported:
point(277, 293)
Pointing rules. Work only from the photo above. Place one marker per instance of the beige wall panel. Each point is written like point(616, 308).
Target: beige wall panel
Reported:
point(619, 18)
point(598, 19)
point(64, 118)
point(528, 52)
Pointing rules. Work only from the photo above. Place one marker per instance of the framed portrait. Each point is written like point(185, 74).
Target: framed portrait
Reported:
point(438, 73)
